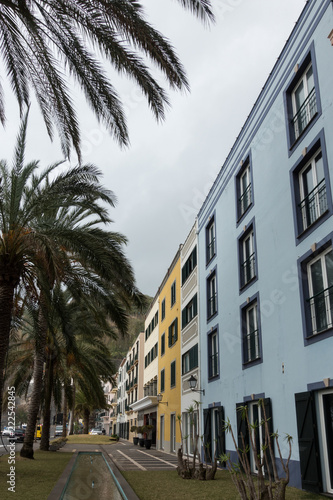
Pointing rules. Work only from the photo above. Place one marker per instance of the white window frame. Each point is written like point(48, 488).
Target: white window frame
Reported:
point(323, 438)
point(212, 295)
point(247, 340)
point(318, 209)
point(260, 430)
point(211, 239)
point(324, 275)
point(243, 190)
point(246, 257)
point(303, 80)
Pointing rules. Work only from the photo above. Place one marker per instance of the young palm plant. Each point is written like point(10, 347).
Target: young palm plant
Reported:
point(44, 42)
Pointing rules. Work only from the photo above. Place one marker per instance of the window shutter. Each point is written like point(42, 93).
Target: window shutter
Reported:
point(169, 336)
point(162, 380)
point(194, 257)
point(242, 430)
point(220, 445)
point(184, 317)
point(195, 304)
point(173, 374)
point(308, 442)
point(195, 356)
point(207, 433)
point(176, 329)
point(269, 416)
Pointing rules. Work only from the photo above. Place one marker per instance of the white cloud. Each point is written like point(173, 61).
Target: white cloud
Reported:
point(162, 179)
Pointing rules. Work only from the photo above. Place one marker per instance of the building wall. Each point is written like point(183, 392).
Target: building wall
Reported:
point(171, 394)
point(190, 348)
point(290, 362)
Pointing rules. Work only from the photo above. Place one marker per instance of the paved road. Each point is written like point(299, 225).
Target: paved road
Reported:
point(129, 457)
point(126, 456)
point(4, 442)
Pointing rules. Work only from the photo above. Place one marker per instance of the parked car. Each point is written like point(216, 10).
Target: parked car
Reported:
point(18, 436)
point(8, 432)
point(94, 432)
point(58, 431)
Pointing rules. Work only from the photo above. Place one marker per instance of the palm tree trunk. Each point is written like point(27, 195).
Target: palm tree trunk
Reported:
point(45, 440)
point(27, 448)
point(86, 416)
point(71, 428)
point(7, 288)
point(64, 420)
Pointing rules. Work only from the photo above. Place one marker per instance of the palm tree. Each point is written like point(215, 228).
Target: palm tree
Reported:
point(50, 231)
point(43, 41)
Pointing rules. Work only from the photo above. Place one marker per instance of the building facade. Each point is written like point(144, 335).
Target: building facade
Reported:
point(190, 355)
point(169, 359)
point(265, 238)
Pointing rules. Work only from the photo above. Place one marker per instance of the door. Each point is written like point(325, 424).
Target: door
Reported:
point(326, 436)
point(162, 432)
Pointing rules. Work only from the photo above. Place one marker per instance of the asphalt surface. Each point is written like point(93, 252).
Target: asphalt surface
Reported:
point(126, 456)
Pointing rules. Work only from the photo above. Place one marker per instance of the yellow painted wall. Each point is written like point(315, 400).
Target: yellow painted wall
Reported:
point(170, 395)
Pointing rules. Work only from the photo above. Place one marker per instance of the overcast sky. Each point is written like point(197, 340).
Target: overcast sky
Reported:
point(162, 179)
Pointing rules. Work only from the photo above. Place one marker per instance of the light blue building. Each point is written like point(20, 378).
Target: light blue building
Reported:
point(265, 237)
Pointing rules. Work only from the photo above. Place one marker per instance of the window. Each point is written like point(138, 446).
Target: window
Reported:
point(190, 311)
point(210, 240)
point(163, 310)
point(173, 332)
point(313, 191)
point(251, 332)
point(304, 102)
point(162, 380)
point(302, 98)
point(190, 359)
point(311, 186)
point(320, 301)
point(189, 265)
point(173, 293)
point(213, 355)
point(162, 344)
point(244, 189)
point(247, 256)
point(211, 295)
point(316, 286)
point(173, 374)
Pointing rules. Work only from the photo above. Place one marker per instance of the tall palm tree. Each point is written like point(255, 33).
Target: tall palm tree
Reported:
point(49, 231)
point(43, 41)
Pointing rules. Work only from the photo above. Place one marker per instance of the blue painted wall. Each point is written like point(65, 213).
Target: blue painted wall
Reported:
point(288, 365)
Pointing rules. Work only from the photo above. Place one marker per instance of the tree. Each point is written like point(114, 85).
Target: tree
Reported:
point(50, 233)
point(43, 41)
point(268, 485)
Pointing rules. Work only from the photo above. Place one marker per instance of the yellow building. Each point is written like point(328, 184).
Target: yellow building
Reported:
point(169, 360)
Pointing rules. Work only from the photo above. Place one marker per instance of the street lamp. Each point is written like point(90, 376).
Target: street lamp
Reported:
point(159, 399)
point(193, 383)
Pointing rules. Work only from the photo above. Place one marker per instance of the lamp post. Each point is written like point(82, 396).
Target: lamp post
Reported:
point(193, 384)
point(159, 399)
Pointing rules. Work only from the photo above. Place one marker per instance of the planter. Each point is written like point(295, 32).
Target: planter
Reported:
point(141, 442)
point(135, 440)
point(148, 444)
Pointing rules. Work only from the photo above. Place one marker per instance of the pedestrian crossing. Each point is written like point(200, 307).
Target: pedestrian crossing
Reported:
point(131, 458)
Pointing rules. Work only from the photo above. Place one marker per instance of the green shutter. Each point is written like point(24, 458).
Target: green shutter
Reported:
point(207, 433)
point(194, 356)
point(308, 442)
point(173, 374)
point(162, 380)
point(194, 257)
point(176, 329)
point(184, 317)
point(195, 304)
point(169, 336)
